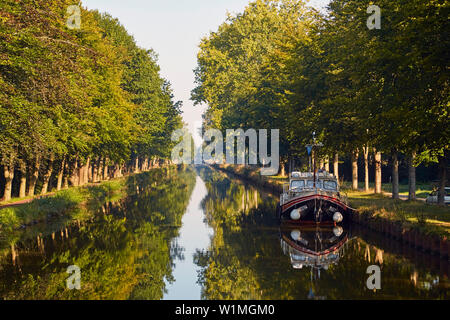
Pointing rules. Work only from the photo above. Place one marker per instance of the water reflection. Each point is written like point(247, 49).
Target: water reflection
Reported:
point(246, 261)
point(313, 246)
point(153, 241)
point(123, 248)
point(194, 235)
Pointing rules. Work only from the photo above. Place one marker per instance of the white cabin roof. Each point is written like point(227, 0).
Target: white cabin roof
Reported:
point(301, 175)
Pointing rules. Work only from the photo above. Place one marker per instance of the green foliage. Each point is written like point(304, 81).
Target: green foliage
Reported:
point(65, 203)
point(78, 94)
point(281, 65)
point(239, 72)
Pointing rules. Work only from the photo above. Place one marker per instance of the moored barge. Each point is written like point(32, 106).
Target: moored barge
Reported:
point(313, 198)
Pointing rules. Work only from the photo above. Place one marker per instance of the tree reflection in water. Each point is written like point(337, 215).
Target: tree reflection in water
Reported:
point(246, 260)
point(123, 249)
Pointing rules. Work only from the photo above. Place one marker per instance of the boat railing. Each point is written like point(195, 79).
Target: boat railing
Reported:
point(291, 193)
point(306, 189)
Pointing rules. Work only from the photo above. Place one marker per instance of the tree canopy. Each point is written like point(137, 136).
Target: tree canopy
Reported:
point(75, 96)
point(281, 64)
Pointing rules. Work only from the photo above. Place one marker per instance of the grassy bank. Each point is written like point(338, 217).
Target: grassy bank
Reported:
point(422, 189)
point(67, 203)
point(430, 219)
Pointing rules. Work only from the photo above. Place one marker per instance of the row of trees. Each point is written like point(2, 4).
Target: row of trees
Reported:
point(280, 64)
point(76, 104)
point(243, 259)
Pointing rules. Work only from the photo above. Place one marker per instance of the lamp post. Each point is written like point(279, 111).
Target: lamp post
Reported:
point(310, 149)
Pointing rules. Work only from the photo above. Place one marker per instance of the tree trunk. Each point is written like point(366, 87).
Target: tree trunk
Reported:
point(321, 163)
point(105, 169)
point(395, 190)
point(366, 168)
point(95, 170)
point(61, 174)
point(99, 169)
point(378, 157)
point(14, 254)
point(136, 165)
point(412, 177)
point(23, 180)
point(116, 171)
point(34, 176)
point(283, 169)
point(336, 166)
point(80, 174)
point(66, 180)
point(91, 171)
point(86, 170)
point(327, 164)
point(142, 165)
point(75, 177)
point(9, 176)
point(66, 175)
point(84, 173)
point(47, 176)
point(442, 179)
point(355, 170)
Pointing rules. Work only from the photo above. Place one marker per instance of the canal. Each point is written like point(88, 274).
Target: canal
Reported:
point(197, 233)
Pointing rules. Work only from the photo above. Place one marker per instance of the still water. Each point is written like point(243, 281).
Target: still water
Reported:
point(197, 233)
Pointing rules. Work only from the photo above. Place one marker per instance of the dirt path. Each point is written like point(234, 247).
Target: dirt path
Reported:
point(403, 197)
point(24, 201)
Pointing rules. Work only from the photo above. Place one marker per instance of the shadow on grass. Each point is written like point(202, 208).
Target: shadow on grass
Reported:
point(431, 218)
point(66, 203)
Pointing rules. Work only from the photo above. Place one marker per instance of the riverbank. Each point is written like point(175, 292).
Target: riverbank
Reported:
point(425, 227)
point(63, 203)
point(67, 203)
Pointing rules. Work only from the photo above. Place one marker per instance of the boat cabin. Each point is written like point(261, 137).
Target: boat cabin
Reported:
point(304, 181)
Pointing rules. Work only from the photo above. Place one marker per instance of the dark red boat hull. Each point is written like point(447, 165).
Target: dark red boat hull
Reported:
point(325, 204)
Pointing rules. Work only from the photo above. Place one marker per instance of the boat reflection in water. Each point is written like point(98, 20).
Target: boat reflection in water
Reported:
point(317, 247)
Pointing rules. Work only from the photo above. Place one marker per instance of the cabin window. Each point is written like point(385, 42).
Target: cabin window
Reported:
point(297, 184)
point(311, 184)
point(330, 185)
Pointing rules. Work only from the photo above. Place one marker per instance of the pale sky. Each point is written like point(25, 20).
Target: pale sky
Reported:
point(173, 29)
